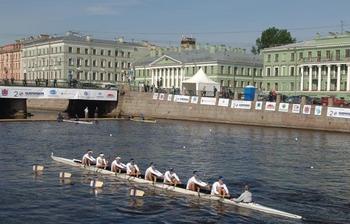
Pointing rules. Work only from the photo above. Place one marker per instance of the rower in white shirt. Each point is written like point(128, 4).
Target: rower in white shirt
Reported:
point(170, 177)
point(118, 166)
point(245, 197)
point(101, 162)
point(195, 184)
point(132, 169)
point(220, 189)
point(152, 173)
point(88, 159)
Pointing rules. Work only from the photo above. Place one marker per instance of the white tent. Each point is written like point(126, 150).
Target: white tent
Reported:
point(200, 82)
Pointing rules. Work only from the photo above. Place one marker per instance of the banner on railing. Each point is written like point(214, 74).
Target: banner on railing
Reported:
point(338, 112)
point(283, 107)
point(181, 99)
point(318, 110)
point(170, 97)
point(223, 102)
point(57, 93)
point(208, 101)
point(155, 96)
point(307, 109)
point(194, 99)
point(258, 105)
point(240, 104)
point(161, 96)
point(270, 106)
point(296, 108)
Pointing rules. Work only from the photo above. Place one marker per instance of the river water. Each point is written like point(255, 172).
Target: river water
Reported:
point(275, 162)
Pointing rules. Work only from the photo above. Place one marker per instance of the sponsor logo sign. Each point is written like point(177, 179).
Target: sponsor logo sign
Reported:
point(194, 99)
point(181, 99)
point(283, 107)
point(161, 96)
point(338, 112)
point(318, 110)
point(155, 96)
point(5, 92)
point(307, 109)
point(270, 106)
point(240, 104)
point(258, 105)
point(223, 102)
point(296, 108)
point(208, 100)
point(170, 97)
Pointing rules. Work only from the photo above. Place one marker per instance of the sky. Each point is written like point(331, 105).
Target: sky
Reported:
point(232, 22)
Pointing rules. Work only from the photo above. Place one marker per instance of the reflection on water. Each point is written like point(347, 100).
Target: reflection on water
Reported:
point(270, 160)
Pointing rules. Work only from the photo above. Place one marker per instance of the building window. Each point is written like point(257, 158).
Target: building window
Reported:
point(94, 76)
point(292, 56)
point(318, 56)
point(86, 75)
point(129, 64)
point(276, 71)
point(276, 57)
point(102, 64)
point(269, 58)
point(193, 70)
point(211, 70)
point(94, 63)
point(222, 70)
point(101, 76)
point(337, 55)
point(109, 64)
point(109, 52)
point(242, 71)
point(102, 52)
point(109, 76)
point(347, 53)
point(94, 51)
point(122, 54)
point(205, 69)
point(78, 50)
point(86, 62)
point(309, 55)
point(70, 50)
point(86, 51)
point(268, 72)
point(128, 54)
point(301, 56)
point(235, 71)
point(70, 61)
point(116, 53)
point(291, 71)
point(116, 64)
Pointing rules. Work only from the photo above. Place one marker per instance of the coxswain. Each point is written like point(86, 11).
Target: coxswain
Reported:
point(245, 197)
point(195, 184)
point(132, 169)
point(220, 189)
point(152, 173)
point(88, 159)
point(118, 166)
point(101, 162)
point(170, 177)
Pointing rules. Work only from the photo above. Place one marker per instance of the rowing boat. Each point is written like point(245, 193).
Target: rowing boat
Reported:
point(123, 176)
point(78, 122)
point(145, 121)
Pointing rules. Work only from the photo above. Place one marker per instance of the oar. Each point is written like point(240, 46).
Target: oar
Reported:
point(136, 193)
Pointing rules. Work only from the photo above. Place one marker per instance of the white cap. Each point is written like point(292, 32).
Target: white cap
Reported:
point(102, 154)
point(117, 157)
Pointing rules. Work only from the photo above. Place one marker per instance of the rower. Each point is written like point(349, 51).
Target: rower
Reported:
point(220, 189)
point(132, 169)
point(195, 184)
point(88, 159)
point(171, 178)
point(245, 197)
point(101, 162)
point(118, 166)
point(152, 173)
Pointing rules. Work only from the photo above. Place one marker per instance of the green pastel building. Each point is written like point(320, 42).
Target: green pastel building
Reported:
point(320, 66)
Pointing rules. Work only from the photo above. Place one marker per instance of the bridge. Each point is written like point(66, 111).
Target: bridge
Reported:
point(14, 99)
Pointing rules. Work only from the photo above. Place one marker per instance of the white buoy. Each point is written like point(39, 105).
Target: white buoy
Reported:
point(96, 184)
point(37, 168)
point(311, 167)
point(184, 147)
point(296, 139)
point(210, 130)
point(64, 175)
point(110, 135)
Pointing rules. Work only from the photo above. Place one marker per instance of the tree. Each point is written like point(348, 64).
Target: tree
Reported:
point(272, 37)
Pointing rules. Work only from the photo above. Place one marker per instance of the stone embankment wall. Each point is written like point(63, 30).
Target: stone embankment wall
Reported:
point(134, 103)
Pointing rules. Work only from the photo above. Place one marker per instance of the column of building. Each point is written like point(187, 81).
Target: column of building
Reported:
point(301, 78)
point(338, 77)
point(328, 77)
point(310, 77)
point(319, 77)
point(348, 77)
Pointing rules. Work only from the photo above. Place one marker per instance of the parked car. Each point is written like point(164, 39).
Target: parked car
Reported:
point(297, 99)
point(340, 102)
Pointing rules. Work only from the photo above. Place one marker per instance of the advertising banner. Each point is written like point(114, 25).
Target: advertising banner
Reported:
point(223, 102)
point(338, 112)
point(194, 99)
point(161, 96)
point(240, 104)
point(270, 106)
point(258, 105)
point(170, 97)
point(307, 109)
point(181, 99)
point(283, 107)
point(208, 100)
point(155, 96)
point(318, 110)
point(57, 93)
point(296, 108)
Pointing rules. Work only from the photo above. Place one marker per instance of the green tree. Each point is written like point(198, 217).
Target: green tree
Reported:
point(272, 37)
